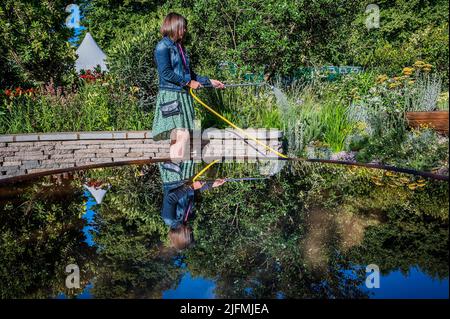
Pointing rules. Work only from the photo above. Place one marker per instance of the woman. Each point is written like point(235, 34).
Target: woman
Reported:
point(178, 200)
point(174, 116)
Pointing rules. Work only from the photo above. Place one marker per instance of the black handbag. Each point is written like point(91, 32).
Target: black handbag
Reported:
point(172, 167)
point(170, 108)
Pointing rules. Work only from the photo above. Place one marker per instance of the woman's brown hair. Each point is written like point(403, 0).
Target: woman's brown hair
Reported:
point(181, 237)
point(174, 26)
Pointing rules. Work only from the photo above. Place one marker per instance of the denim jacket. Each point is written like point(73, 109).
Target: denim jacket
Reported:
point(178, 201)
point(173, 75)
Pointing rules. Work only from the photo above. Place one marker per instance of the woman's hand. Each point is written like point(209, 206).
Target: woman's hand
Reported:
point(194, 84)
point(217, 84)
point(197, 185)
point(218, 182)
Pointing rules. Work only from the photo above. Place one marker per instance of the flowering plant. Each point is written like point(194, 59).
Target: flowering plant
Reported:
point(18, 91)
point(92, 75)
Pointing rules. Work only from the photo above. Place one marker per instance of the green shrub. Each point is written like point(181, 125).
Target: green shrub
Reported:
point(409, 31)
point(130, 58)
point(337, 125)
point(34, 45)
point(94, 107)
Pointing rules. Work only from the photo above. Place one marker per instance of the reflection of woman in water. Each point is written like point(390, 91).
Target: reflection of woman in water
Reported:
point(174, 115)
point(178, 201)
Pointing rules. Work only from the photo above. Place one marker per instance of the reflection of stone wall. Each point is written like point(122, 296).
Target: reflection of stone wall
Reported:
point(23, 154)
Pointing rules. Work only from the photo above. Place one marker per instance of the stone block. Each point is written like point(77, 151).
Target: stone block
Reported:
point(34, 157)
point(26, 137)
point(6, 138)
point(96, 135)
point(6, 164)
point(136, 135)
point(60, 136)
point(134, 154)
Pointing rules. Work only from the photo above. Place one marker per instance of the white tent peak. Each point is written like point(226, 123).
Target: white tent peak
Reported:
point(90, 55)
point(97, 193)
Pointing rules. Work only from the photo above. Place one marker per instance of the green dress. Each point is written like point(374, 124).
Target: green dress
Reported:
point(183, 171)
point(162, 126)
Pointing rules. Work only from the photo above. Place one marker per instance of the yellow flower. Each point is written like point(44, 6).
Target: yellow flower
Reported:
point(408, 71)
point(382, 78)
point(404, 180)
point(412, 186)
point(443, 97)
point(361, 126)
point(411, 82)
point(418, 64)
point(393, 85)
point(134, 89)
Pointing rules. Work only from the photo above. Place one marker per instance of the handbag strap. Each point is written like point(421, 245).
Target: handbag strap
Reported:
point(182, 55)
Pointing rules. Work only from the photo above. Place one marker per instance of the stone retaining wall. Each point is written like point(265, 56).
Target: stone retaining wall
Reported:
point(24, 154)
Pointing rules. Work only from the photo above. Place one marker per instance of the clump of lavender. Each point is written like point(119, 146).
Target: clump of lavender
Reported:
point(344, 156)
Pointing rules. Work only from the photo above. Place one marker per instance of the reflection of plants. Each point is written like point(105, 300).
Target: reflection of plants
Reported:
point(250, 236)
point(423, 149)
point(130, 236)
point(254, 246)
point(403, 242)
point(40, 233)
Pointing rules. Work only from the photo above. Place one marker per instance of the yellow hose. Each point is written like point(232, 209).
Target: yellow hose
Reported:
point(191, 91)
point(204, 170)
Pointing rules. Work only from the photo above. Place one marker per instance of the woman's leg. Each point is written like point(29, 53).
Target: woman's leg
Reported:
point(179, 144)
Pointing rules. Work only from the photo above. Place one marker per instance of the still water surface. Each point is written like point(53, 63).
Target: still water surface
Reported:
point(296, 235)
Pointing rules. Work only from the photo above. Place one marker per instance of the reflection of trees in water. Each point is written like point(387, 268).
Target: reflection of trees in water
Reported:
point(40, 234)
point(132, 261)
point(295, 235)
point(413, 231)
point(406, 240)
point(252, 237)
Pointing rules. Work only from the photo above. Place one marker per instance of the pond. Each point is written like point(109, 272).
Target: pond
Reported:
point(308, 231)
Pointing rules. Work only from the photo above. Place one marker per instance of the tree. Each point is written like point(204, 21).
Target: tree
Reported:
point(409, 31)
point(34, 45)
